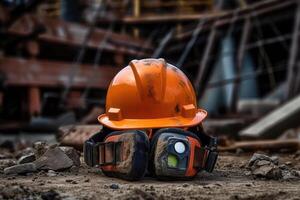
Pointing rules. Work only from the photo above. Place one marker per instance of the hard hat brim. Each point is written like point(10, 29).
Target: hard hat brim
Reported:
point(170, 122)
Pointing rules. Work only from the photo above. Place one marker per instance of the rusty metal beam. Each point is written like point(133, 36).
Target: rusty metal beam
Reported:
point(22, 72)
point(239, 61)
point(292, 69)
point(61, 32)
point(225, 19)
point(203, 64)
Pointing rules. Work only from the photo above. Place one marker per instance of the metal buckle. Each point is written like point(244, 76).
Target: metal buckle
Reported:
point(109, 153)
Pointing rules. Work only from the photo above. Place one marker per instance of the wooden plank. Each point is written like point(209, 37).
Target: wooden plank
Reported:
point(22, 72)
point(264, 145)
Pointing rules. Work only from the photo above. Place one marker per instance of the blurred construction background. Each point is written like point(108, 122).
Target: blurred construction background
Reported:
point(57, 58)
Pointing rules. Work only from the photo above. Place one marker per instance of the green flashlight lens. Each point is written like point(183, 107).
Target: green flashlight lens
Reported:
point(172, 161)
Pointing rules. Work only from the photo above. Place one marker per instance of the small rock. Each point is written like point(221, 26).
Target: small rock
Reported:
point(275, 159)
point(185, 185)
point(87, 180)
point(27, 158)
point(283, 167)
point(247, 173)
point(73, 154)
point(54, 159)
point(69, 180)
point(262, 162)
point(114, 186)
point(249, 184)
point(290, 175)
point(21, 169)
point(268, 171)
point(257, 157)
point(40, 148)
point(50, 195)
point(51, 173)
point(6, 163)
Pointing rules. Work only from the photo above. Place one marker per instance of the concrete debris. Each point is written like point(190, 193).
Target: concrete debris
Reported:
point(27, 158)
point(269, 171)
point(54, 159)
point(73, 154)
point(263, 166)
point(262, 157)
point(4, 163)
point(40, 148)
point(276, 122)
point(290, 174)
point(21, 169)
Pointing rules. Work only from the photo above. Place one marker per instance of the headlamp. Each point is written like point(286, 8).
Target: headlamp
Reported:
point(179, 147)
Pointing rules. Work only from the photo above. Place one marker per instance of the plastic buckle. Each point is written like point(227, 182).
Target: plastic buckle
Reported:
point(90, 153)
point(109, 153)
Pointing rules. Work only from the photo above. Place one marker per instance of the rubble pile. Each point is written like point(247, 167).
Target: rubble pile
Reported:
point(42, 157)
point(263, 166)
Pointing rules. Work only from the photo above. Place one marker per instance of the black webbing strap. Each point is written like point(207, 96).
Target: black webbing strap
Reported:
point(91, 147)
point(97, 152)
point(206, 156)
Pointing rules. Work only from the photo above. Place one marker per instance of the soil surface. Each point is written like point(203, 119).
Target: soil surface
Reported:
point(228, 181)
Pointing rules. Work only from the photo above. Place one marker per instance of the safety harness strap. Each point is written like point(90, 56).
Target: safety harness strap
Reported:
point(205, 157)
point(109, 153)
point(102, 153)
point(91, 147)
point(91, 153)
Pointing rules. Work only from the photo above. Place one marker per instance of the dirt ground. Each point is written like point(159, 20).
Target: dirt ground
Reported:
point(228, 181)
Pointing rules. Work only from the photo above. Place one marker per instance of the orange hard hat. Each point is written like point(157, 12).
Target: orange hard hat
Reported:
point(151, 93)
